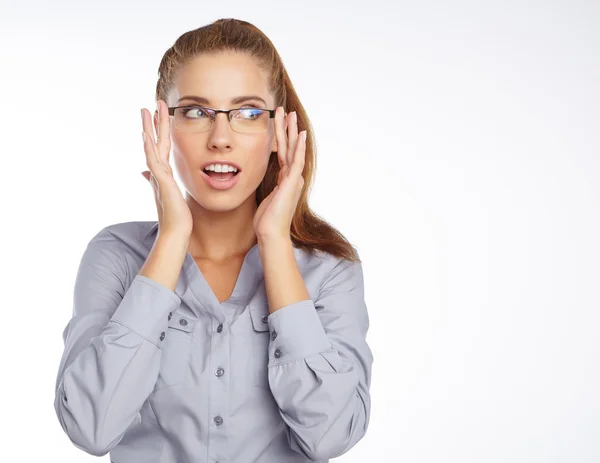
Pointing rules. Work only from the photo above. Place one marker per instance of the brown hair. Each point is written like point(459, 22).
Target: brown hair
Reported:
point(308, 230)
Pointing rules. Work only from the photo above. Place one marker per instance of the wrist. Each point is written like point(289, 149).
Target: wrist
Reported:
point(173, 240)
point(273, 241)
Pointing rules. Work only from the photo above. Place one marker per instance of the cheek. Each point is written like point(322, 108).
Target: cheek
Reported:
point(256, 166)
point(182, 168)
point(259, 152)
point(184, 163)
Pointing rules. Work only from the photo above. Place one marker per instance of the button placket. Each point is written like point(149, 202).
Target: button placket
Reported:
point(261, 337)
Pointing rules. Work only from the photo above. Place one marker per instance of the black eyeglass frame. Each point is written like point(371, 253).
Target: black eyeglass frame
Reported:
point(213, 112)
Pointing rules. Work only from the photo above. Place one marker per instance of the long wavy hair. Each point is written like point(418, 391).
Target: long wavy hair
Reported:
point(308, 230)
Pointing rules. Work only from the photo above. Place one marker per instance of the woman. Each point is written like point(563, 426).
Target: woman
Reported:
point(232, 328)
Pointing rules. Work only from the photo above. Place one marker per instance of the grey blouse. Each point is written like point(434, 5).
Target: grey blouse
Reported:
point(152, 375)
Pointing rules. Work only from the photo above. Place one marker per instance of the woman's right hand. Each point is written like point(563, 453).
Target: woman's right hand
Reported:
point(174, 215)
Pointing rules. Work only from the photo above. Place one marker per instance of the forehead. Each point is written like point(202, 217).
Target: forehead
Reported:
point(220, 78)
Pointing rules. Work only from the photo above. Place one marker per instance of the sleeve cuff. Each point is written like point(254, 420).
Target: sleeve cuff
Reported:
point(296, 332)
point(145, 308)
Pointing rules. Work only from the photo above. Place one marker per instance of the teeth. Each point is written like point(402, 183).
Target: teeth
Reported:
point(221, 168)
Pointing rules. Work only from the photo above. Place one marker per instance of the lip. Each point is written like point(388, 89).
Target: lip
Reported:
point(222, 161)
point(220, 184)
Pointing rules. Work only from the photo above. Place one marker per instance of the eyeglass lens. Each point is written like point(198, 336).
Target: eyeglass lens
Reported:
point(198, 119)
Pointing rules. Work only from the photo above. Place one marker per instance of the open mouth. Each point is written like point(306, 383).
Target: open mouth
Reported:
point(221, 175)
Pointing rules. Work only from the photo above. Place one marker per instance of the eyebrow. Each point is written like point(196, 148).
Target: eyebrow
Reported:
point(236, 100)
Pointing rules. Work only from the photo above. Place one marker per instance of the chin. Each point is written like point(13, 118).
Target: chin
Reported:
point(222, 201)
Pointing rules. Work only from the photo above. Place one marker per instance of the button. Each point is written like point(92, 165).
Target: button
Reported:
point(277, 353)
point(273, 335)
point(170, 315)
point(265, 318)
point(219, 371)
point(219, 328)
point(162, 335)
point(183, 322)
point(218, 420)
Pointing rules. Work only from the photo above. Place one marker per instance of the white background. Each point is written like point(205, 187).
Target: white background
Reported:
point(458, 150)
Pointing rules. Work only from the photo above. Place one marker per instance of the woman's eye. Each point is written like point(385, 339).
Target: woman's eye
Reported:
point(195, 113)
point(251, 113)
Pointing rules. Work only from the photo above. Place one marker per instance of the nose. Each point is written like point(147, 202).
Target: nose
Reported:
point(220, 133)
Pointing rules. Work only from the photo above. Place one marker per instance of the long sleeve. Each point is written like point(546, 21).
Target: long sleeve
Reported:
point(320, 365)
point(112, 353)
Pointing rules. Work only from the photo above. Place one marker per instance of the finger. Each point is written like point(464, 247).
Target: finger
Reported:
point(149, 145)
point(147, 125)
point(292, 135)
point(281, 137)
point(164, 140)
point(282, 174)
point(299, 155)
point(152, 160)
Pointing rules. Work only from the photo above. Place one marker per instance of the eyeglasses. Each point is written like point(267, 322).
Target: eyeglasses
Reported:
point(196, 118)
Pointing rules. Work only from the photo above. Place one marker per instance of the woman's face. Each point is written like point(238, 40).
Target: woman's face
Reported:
point(219, 79)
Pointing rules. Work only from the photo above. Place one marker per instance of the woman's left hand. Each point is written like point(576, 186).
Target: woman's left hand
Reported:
point(273, 218)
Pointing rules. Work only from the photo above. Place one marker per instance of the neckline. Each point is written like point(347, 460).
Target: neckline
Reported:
point(245, 283)
point(249, 275)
